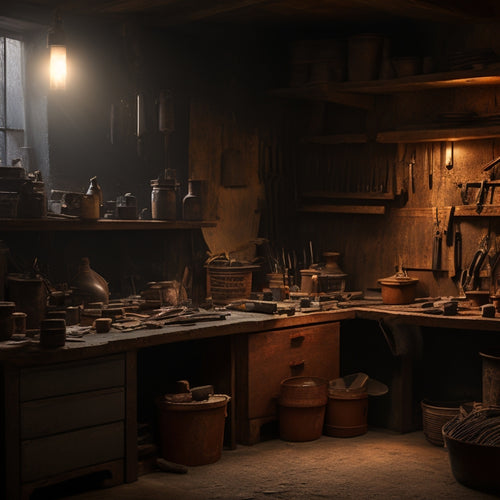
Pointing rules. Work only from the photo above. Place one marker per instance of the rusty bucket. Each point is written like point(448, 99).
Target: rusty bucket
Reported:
point(192, 433)
point(302, 405)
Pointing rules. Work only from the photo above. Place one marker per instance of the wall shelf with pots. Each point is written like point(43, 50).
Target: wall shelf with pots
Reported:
point(48, 224)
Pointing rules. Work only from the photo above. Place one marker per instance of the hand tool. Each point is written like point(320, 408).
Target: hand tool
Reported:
point(470, 277)
point(430, 163)
point(449, 228)
point(436, 245)
point(457, 252)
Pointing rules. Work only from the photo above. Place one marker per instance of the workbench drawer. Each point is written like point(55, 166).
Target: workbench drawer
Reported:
point(49, 456)
point(276, 355)
point(70, 378)
point(48, 416)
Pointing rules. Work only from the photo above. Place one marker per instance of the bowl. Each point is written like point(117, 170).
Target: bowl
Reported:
point(474, 465)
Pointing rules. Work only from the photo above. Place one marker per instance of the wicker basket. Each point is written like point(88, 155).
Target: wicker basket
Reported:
point(434, 415)
point(226, 284)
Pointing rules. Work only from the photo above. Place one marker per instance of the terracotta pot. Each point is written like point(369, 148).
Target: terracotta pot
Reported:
point(398, 290)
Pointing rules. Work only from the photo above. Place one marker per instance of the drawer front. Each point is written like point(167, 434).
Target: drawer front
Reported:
point(44, 417)
point(276, 355)
point(45, 457)
point(70, 378)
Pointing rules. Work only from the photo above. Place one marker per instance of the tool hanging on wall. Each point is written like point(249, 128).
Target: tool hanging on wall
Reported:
point(436, 245)
point(429, 153)
point(166, 119)
point(411, 171)
point(457, 252)
point(141, 122)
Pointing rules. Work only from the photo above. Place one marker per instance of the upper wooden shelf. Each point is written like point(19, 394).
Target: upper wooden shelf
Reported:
point(348, 93)
point(441, 134)
point(49, 224)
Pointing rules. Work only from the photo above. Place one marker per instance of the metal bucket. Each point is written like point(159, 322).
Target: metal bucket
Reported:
point(491, 376)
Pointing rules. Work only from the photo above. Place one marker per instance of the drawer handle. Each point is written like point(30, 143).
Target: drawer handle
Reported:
point(296, 364)
point(296, 339)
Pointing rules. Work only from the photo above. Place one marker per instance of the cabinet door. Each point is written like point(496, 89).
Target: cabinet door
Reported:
point(273, 356)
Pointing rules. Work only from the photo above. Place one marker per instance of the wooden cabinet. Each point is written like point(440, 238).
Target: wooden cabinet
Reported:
point(265, 359)
point(67, 420)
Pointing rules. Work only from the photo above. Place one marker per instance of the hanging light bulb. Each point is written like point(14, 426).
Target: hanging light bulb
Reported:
point(56, 40)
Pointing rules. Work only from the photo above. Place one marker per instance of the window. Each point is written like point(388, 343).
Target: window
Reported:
point(12, 121)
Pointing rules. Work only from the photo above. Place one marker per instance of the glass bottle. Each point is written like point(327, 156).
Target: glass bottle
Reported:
point(191, 204)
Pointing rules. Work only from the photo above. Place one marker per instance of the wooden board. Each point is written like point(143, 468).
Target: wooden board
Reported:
point(71, 378)
point(54, 415)
point(53, 455)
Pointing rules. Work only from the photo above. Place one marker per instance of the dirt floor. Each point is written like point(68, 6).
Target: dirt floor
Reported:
point(380, 464)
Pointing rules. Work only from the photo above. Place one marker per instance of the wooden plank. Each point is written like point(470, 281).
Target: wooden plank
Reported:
point(345, 209)
point(99, 225)
point(70, 378)
point(131, 459)
point(325, 92)
point(337, 139)
point(467, 78)
point(11, 432)
point(50, 416)
point(53, 455)
point(439, 135)
point(348, 196)
point(114, 476)
point(471, 211)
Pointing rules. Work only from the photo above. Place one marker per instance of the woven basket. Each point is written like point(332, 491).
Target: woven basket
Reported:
point(226, 284)
point(434, 415)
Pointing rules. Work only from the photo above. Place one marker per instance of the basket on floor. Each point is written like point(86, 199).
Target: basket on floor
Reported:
point(434, 415)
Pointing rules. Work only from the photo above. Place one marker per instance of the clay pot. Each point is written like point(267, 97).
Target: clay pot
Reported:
point(89, 286)
point(398, 290)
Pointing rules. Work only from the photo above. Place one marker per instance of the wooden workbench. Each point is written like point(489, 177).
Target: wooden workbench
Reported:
point(101, 370)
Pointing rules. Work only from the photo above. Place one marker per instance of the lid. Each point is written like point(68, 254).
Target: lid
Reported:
point(213, 401)
point(398, 280)
point(304, 382)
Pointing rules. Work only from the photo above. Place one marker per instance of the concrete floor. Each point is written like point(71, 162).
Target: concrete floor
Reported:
point(380, 464)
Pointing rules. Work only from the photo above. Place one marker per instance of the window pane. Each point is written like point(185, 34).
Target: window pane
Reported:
point(2, 148)
point(14, 142)
point(15, 95)
point(2, 82)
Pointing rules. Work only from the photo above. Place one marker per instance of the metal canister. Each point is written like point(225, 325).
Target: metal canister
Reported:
point(164, 196)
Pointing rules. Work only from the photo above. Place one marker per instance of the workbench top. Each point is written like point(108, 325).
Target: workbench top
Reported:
point(236, 322)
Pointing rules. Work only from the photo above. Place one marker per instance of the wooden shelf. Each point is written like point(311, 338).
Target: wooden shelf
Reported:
point(348, 196)
point(348, 93)
point(325, 92)
point(54, 224)
point(438, 135)
point(471, 211)
point(345, 209)
point(449, 79)
point(460, 211)
point(337, 139)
